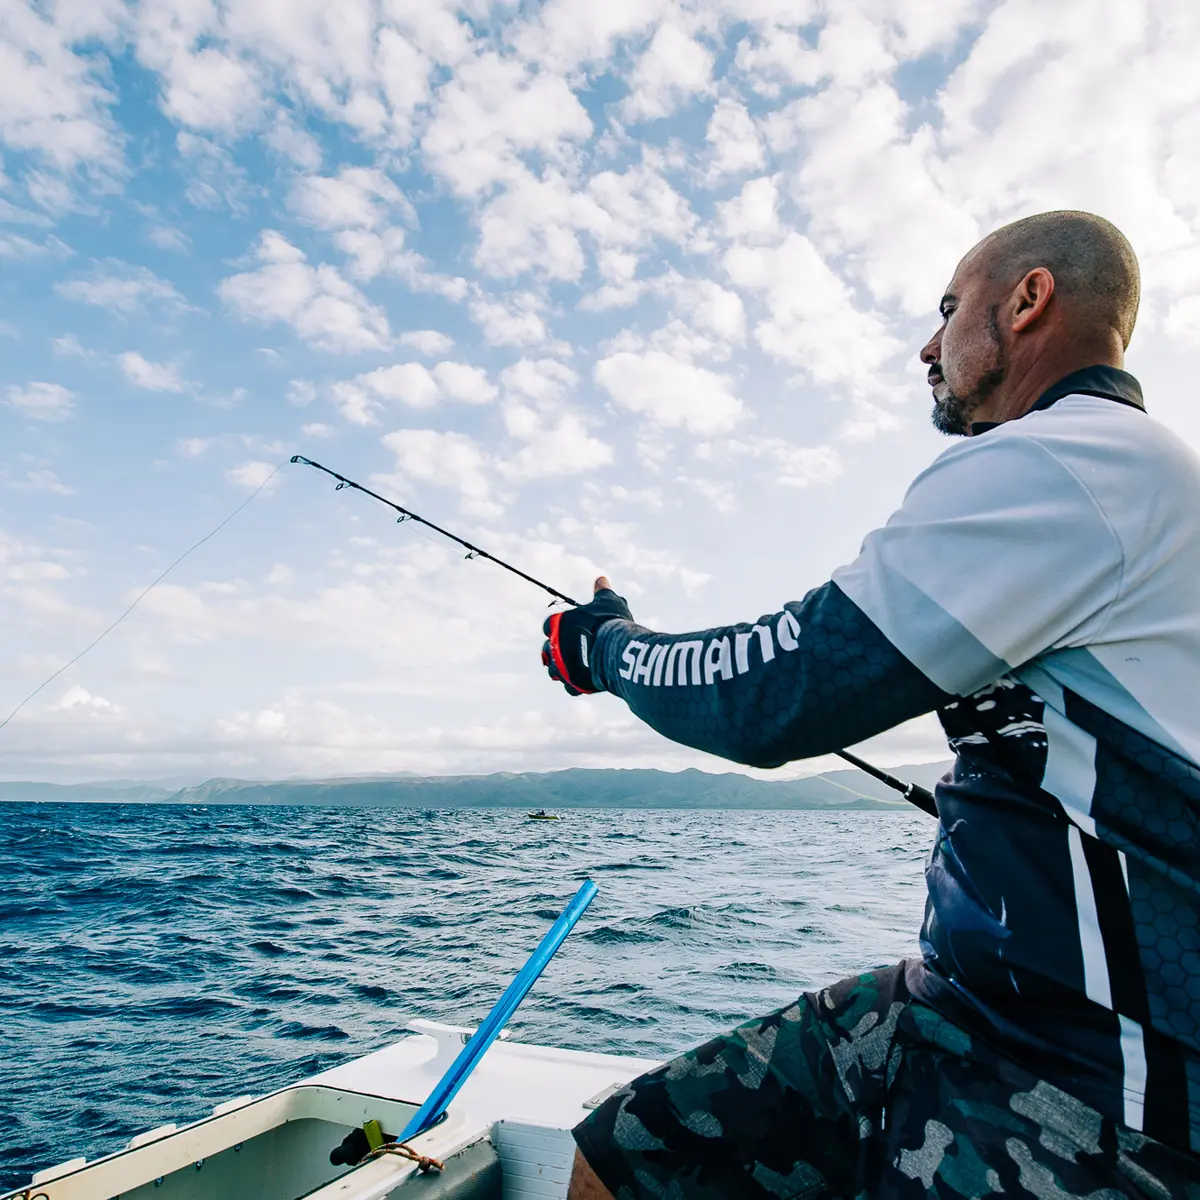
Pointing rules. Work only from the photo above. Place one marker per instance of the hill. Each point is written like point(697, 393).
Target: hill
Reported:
point(574, 788)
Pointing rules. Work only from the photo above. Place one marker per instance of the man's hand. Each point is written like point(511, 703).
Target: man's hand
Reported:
point(570, 635)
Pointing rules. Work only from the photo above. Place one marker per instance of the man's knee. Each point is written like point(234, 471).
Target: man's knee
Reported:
point(585, 1183)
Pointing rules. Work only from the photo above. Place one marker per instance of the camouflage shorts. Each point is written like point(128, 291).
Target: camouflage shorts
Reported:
point(862, 1091)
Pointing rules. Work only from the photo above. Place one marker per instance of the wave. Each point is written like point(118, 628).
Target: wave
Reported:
point(157, 961)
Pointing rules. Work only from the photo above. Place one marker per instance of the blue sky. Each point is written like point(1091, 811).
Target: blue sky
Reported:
point(634, 287)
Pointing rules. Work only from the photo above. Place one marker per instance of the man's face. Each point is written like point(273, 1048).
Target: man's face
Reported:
point(967, 357)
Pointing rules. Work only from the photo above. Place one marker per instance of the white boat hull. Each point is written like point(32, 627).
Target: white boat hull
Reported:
point(506, 1134)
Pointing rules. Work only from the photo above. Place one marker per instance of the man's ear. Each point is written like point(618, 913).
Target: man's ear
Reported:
point(1031, 297)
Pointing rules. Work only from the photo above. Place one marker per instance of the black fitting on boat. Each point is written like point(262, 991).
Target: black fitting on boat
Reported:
point(353, 1150)
point(357, 1144)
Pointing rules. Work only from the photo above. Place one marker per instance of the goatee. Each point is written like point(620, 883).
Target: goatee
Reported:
point(954, 414)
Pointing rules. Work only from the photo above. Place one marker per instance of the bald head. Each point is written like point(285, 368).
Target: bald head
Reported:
point(1032, 303)
point(1095, 271)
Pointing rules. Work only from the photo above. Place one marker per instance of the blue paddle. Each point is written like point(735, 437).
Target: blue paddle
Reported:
point(468, 1059)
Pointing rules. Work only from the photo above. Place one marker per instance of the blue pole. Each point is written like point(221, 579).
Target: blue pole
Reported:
point(447, 1087)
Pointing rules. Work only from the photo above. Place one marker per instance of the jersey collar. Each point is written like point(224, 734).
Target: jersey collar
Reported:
point(1108, 383)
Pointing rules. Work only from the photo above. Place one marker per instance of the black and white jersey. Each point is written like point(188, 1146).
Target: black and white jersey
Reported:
point(1040, 588)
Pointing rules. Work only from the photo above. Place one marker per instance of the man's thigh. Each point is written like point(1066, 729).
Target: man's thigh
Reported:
point(961, 1122)
point(781, 1107)
point(860, 1092)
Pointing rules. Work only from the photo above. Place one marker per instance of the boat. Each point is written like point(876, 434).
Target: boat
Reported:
point(541, 815)
point(505, 1136)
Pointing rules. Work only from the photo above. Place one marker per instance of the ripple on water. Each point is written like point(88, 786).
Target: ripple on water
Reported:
point(158, 960)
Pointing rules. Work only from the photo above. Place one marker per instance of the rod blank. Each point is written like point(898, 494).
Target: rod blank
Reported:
point(408, 515)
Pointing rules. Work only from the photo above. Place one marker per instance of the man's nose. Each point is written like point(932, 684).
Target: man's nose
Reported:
point(932, 350)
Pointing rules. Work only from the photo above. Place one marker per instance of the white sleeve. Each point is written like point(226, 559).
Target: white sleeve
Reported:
point(998, 554)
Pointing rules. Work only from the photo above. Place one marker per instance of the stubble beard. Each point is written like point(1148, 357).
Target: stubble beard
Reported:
point(954, 414)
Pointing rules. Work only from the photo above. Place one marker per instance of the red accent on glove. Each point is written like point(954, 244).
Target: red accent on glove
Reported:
point(557, 656)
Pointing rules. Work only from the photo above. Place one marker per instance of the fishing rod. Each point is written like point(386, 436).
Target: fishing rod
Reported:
point(912, 792)
point(409, 515)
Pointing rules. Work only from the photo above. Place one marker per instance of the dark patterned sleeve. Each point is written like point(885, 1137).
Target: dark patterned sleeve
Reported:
point(807, 680)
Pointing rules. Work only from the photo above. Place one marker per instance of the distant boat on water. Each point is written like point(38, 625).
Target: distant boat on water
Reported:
point(541, 815)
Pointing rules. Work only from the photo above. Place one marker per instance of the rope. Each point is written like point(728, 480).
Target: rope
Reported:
point(141, 596)
point(402, 1150)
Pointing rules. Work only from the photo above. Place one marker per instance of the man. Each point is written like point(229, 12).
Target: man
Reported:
point(1039, 589)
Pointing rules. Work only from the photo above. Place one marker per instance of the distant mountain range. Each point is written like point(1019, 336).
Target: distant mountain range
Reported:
point(576, 788)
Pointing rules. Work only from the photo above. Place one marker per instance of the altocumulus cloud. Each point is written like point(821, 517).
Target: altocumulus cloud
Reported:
point(624, 287)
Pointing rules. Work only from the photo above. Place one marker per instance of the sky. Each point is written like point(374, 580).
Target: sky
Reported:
point(635, 286)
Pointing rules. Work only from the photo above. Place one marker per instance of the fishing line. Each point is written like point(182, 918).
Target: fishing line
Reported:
point(921, 797)
point(140, 597)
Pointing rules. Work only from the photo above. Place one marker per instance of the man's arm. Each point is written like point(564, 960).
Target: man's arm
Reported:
point(814, 677)
point(998, 554)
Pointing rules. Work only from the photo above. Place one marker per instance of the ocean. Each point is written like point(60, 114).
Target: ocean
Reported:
point(156, 960)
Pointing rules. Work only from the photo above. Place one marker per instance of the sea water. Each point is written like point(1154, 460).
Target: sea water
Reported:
point(157, 960)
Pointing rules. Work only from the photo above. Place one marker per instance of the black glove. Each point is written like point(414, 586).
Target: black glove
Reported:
point(570, 636)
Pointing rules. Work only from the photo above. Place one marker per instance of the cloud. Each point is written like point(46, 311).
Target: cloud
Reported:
point(355, 403)
point(542, 379)
point(167, 237)
point(789, 465)
point(152, 376)
point(77, 697)
point(427, 341)
point(301, 392)
point(711, 307)
point(413, 384)
point(410, 383)
point(672, 69)
point(250, 474)
point(446, 459)
point(14, 246)
point(320, 306)
point(124, 288)
point(555, 444)
point(192, 447)
point(564, 34)
point(357, 197)
point(377, 252)
point(670, 392)
point(811, 320)
point(41, 481)
point(54, 102)
point(556, 440)
point(535, 224)
point(778, 57)
point(513, 321)
point(752, 216)
point(490, 113)
point(211, 90)
point(285, 138)
point(468, 384)
point(532, 225)
point(67, 345)
point(214, 178)
point(202, 86)
point(856, 147)
point(736, 144)
point(1182, 323)
point(42, 401)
